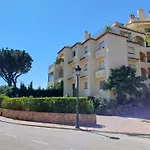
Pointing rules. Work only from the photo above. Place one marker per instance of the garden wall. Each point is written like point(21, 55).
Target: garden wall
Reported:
point(58, 118)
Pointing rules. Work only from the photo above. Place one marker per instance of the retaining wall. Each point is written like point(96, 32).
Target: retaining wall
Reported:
point(57, 118)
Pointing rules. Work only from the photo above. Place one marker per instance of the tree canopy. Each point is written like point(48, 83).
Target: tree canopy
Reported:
point(147, 38)
point(14, 63)
point(124, 81)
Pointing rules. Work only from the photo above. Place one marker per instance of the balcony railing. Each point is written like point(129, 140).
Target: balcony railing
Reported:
point(72, 60)
point(100, 53)
point(59, 65)
point(72, 76)
point(58, 80)
point(51, 68)
point(100, 73)
point(84, 73)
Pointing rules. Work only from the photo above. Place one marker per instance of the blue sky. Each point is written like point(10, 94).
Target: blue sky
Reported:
point(43, 27)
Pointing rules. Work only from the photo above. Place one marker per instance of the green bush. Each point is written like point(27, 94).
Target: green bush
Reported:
point(102, 106)
point(2, 97)
point(49, 104)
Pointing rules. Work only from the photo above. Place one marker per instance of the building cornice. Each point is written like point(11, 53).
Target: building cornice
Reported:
point(126, 28)
point(138, 22)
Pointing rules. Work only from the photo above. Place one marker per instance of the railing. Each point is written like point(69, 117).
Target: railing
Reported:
point(58, 80)
point(115, 30)
point(100, 53)
point(100, 73)
point(72, 59)
point(84, 73)
point(59, 65)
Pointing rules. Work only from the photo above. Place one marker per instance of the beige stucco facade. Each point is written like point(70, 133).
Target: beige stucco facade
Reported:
point(122, 45)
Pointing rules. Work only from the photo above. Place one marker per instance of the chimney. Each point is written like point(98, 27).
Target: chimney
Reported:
point(86, 35)
point(140, 14)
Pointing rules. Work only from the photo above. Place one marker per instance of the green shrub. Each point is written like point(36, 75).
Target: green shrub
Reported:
point(49, 104)
point(2, 97)
point(102, 106)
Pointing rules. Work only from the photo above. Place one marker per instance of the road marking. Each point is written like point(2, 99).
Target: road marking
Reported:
point(10, 135)
point(40, 142)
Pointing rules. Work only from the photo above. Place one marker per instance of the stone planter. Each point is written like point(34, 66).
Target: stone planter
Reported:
point(57, 118)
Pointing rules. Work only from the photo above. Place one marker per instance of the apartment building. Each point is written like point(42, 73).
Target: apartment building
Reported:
point(115, 46)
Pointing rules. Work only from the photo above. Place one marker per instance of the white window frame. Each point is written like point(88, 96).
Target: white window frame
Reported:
point(85, 67)
point(100, 66)
point(73, 52)
point(85, 85)
point(85, 49)
point(50, 76)
point(101, 84)
point(101, 45)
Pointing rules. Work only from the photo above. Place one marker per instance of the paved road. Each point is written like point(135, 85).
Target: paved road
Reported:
point(19, 137)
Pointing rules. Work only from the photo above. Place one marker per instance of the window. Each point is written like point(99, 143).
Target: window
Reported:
point(73, 53)
point(50, 76)
point(101, 85)
point(73, 86)
point(148, 57)
point(85, 67)
point(73, 69)
point(126, 34)
point(147, 29)
point(85, 49)
point(101, 45)
point(130, 50)
point(101, 65)
point(61, 73)
point(85, 85)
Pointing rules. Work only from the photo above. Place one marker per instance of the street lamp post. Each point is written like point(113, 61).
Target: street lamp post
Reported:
point(77, 69)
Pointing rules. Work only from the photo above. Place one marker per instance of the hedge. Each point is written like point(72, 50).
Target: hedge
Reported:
point(48, 104)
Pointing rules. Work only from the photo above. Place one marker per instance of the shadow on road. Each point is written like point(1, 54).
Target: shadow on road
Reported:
point(100, 134)
point(94, 126)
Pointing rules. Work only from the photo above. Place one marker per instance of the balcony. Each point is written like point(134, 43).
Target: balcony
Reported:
point(84, 74)
point(132, 57)
point(51, 68)
point(100, 53)
point(58, 80)
point(100, 73)
point(85, 56)
point(60, 65)
point(72, 76)
point(72, 60)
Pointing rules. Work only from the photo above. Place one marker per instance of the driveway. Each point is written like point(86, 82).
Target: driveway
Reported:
point(139, 122)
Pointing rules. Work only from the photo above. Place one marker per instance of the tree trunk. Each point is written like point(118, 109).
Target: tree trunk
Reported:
point(15, 84)
point(9, 83)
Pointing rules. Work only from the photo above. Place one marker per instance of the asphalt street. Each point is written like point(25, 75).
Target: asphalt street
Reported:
point(19, 137)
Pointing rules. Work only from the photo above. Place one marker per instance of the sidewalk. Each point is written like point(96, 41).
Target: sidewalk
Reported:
point(105, 124)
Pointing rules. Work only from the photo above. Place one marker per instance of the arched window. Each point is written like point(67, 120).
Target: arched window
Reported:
point(139, 40)
point(142, 57)
point(143, 72)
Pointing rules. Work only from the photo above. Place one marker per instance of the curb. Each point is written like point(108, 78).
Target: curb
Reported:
point(81, 129)
point(25, 124)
